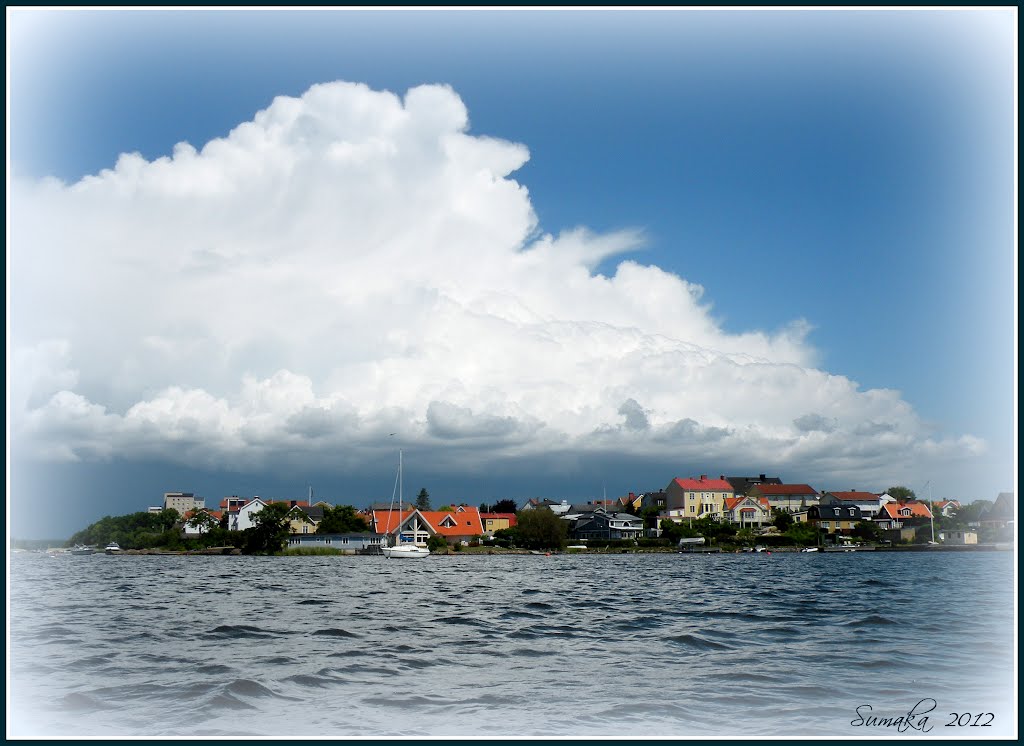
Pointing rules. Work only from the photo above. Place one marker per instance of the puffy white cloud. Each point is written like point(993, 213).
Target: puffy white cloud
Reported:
point(351, 263)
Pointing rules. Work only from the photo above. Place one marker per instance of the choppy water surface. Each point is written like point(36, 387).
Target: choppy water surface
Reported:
point(616, 645)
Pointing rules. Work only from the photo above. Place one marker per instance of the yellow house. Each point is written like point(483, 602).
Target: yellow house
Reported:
point(697, 498)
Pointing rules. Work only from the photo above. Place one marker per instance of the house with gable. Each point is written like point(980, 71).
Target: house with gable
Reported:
point(241, 519)
point(403, 525)
point(460, 525)
point(793, 498)
point(835, 518)
point(602, 524)
point(947, 508)
point(697, 498)
point(746, 511)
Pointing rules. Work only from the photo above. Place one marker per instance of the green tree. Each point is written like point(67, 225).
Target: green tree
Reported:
point(423, 500)
point(504, 506)
point(270, 530)
point(342, 519)
point(202, 520)
point(436, 543)
point(902, 493)
point(781, 519)
point(869, 531)
point(539, 528)
point(802, 534)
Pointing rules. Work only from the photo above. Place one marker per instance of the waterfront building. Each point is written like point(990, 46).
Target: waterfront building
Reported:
point(697, 498)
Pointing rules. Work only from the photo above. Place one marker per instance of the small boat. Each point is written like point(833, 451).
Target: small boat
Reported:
point(81, 549)
point(809, 549)
point(112, 548)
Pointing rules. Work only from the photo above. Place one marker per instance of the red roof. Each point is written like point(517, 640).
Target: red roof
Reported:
point(917, 510)
point(466, 522)
point(859, 497)
point(784, 489)
point(706, 485)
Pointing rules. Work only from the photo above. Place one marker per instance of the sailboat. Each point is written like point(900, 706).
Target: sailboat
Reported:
point(399, 550)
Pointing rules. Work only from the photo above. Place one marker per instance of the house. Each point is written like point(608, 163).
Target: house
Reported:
point(241, 519)
point(742, 485)
point(405, 525)
point(958, 536)
point(599, 524)
point(898, 515)
point(869, 503)
point(345, 543)
point(697, 498)
point(747, 511)
point(835, 518)
point(182, 502)
point(192, 530)
point(947, 508)
point(658, 500)
point(558, 508)
point(461, 525)
point(497, 521)
point(1001, 514)
point(304, 519)
point(792, 498)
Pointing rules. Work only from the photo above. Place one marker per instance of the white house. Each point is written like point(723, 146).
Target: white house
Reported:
point(242, 518)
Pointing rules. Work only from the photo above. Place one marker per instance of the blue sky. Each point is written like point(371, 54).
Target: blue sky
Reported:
point(852, 171)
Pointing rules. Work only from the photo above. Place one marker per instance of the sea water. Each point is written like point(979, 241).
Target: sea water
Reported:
point(624, 646)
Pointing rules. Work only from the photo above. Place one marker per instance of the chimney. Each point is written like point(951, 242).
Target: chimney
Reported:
point(703, 477)
point(763, 477)
point(721, 477)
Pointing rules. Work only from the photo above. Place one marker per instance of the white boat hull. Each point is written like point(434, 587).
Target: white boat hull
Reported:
point(406, 551)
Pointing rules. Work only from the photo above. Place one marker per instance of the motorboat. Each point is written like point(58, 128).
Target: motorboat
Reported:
point(809, 549)
point(81, 549)
point(112, 548)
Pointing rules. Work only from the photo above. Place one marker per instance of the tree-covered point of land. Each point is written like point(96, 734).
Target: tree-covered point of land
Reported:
point(140, 530)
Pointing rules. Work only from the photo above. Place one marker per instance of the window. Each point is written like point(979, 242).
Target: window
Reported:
point(837, 511)
point(851, 511)
point(825, 524)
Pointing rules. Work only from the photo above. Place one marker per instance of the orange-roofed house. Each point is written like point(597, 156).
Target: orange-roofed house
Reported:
point(462, 525)
point(747, 511)
point(697, 498)
point(896, 515)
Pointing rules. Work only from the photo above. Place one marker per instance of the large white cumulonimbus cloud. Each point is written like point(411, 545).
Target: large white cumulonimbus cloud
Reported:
point(350, 264)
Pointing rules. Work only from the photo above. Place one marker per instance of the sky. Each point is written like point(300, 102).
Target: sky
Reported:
point(544, 253)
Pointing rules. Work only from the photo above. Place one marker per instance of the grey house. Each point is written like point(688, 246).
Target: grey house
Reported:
point(600, 525)
point(345, 543)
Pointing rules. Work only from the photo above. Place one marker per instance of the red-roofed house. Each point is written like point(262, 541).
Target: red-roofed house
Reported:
point(947, 508)
point(912, 513)
point(697, 498)
point(793, 498)
point(497, 521)
point(747, 511)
